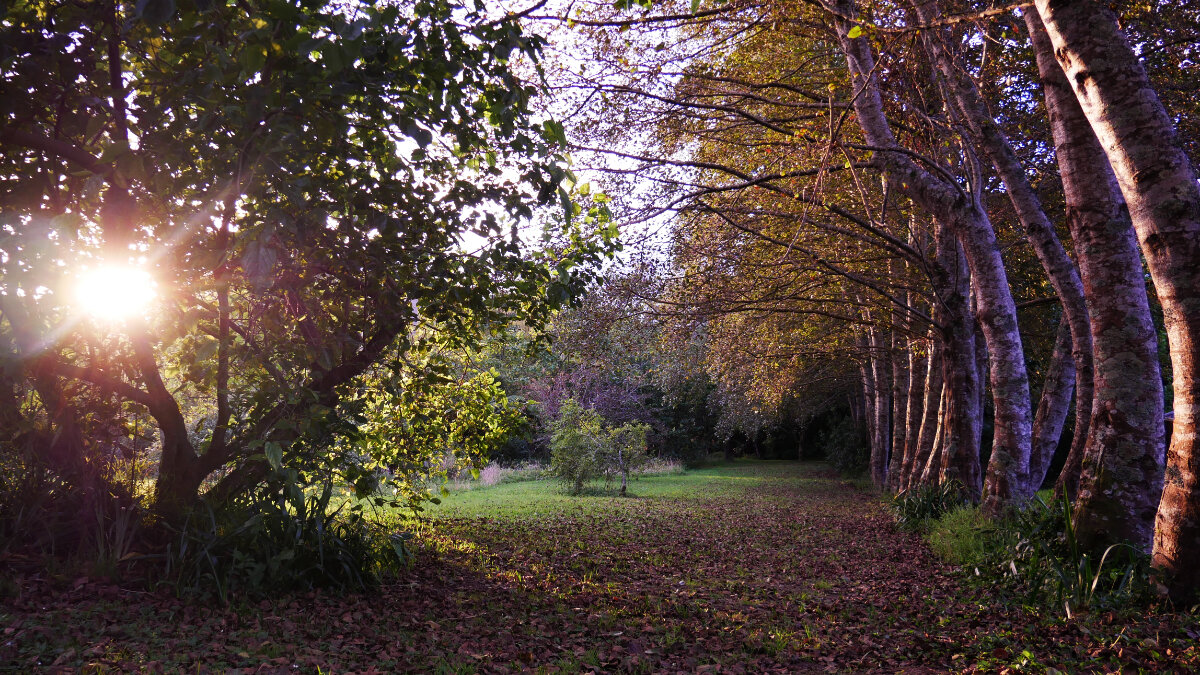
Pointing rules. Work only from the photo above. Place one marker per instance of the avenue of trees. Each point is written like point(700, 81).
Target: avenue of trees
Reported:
point(978, 226)
point(973, 230)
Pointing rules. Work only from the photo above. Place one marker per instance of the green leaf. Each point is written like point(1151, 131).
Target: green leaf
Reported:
point(855, 32)
point(695, 6)
point(554, 132)
point(274, 453)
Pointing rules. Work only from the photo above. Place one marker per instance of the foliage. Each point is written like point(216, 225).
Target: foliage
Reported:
point(278, 539)
point(1035, 555)
point(578, 448)
point(609, 353)
point(298, 182)
point(43, 515)
point(417, 435)
point(584, 447)
point(917, 508)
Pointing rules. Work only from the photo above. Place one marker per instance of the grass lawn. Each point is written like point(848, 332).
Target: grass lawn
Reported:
point(547, 499)
point(743, 568)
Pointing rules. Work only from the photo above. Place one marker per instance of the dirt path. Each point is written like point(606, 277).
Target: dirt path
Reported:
point(790, 570)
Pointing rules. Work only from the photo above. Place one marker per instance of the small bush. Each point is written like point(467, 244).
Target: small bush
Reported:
point(584, 448)
point(917, 508)
point(281, 539)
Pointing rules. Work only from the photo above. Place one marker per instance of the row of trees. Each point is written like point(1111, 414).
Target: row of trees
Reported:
point(898, 201)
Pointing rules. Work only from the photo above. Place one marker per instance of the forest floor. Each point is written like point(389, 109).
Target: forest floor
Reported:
point(751, 567)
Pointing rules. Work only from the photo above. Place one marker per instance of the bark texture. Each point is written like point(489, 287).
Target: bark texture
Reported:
point(986, 134)
point(958, 458)
point(931, 412)
point(901, 376)
point(1159, 185)
point(1053, 407)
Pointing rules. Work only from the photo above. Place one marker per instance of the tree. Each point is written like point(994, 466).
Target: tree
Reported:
point(584, 446)
point(298, 180)
point(1159, 185)
point(578, 446)
point(1125, 434)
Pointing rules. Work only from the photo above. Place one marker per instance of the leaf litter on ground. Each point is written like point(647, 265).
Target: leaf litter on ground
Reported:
point(747, 568)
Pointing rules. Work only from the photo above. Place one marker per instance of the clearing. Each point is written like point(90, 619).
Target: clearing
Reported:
point(749, 567)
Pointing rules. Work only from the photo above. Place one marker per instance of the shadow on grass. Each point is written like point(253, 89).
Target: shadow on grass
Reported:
point(600, 491)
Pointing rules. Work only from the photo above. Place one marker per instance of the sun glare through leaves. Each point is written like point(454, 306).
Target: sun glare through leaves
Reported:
point(114, 292)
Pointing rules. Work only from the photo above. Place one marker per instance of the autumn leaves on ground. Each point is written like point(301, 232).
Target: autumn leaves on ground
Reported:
point(751, 567)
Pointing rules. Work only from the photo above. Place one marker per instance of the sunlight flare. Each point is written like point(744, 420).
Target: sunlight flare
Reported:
point(115, 292)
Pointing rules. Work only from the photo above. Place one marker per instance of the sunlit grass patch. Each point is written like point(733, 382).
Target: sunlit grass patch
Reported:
point(538, 499)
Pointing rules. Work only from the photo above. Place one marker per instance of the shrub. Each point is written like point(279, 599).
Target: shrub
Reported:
point(584, 448)
point(577, 446)
point(1034, 555)
point(917, 508)
point(281, 539)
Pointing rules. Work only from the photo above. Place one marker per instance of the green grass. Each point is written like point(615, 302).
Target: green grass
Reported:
point(960, 536)
point(547, 498)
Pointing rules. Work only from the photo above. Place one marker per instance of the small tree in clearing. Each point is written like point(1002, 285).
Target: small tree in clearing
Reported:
point(583, 447)
point(627, 449)
point(577, 446)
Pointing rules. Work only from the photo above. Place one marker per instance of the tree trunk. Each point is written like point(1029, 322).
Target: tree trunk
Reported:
point(931, 414)
point(986, 134)
point(916, 398)
point(1053, 407)
point(883, 406)
point(624, 471)
point(931, 473)
point(1008, 471)
point(959, 458)
point(1120, 481)
point(866, 373)
point(900, 382)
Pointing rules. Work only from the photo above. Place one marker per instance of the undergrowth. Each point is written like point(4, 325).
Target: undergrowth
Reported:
point(1035, 558)
point(918, 507)
point(281, 539)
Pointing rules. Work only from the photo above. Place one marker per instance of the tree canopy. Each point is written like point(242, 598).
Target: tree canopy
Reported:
point(313, 190)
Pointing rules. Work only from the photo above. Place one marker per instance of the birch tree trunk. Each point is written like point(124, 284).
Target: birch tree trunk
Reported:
point(1007, 477)
point(931, 474)
point(883, 408)
point(901, 377)
point(963, 422)
point(1120, 480)
point(916, 399)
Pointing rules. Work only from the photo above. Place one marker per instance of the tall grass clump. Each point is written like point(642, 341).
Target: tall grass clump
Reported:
point(961, 536)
